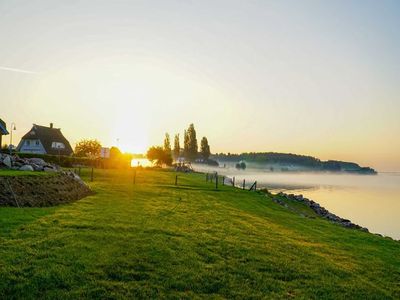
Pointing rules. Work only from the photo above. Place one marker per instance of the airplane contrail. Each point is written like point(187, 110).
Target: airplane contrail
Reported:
point(17, 70)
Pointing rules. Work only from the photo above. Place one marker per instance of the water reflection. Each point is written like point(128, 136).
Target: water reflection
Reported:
point(140, 162)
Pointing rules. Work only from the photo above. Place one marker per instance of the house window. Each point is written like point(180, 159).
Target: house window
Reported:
point(28, 142)
point(37, 143)
point(57, 145)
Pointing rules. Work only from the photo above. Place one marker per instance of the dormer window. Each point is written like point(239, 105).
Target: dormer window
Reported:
point(57, 145)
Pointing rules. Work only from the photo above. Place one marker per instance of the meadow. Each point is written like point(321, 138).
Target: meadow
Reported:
point(153, 239)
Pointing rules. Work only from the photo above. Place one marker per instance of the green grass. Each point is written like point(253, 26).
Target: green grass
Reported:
point(4, 172)
point(157, 240)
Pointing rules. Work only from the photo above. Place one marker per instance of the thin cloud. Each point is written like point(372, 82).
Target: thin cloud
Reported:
point(18, 70)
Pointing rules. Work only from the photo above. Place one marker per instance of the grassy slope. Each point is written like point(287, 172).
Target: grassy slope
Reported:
point(155, 239)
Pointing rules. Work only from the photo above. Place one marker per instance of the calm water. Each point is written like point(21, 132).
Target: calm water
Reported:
point(370, 201)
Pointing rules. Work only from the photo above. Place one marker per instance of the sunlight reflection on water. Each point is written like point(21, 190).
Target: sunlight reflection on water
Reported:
point(140, 162)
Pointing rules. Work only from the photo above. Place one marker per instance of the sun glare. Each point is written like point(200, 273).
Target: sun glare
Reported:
point(140, 162)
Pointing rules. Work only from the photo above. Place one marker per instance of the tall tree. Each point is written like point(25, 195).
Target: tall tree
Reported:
point(185, 144)
point(167, 143)
point(177, 146)
point(204, 148)
point(192, 147)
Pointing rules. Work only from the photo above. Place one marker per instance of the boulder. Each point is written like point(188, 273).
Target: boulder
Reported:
point(37, 161)
point(36, 167)
point(7, 161)
point(26, 168)
point(47, 169)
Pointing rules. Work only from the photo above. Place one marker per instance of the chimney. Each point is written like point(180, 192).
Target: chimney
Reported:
point(51, 125)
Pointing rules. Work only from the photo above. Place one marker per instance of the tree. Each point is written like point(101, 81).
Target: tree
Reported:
point(177, 147)
point(88, 148)
point(159, 156)
point(167, 143)
point(185, 143)
point(191, 147)
point(204, 148)
point(115, 153)
point(241, 165)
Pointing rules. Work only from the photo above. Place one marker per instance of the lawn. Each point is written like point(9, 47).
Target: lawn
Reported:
point(154, 239)
point(5, 172)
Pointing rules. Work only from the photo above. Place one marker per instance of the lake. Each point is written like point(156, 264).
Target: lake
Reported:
point(372, 201)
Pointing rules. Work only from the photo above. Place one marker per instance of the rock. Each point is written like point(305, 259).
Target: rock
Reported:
point(7, 161)
point(299, 198)
point(26, 168)
point(36, 167)
point(319, 210)
point(47, 169)
point(37, 161)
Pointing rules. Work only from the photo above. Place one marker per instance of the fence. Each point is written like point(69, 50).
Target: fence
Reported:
point(214, 177)
point(211, 178)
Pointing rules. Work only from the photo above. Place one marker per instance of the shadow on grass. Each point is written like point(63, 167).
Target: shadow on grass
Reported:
point(187, 187)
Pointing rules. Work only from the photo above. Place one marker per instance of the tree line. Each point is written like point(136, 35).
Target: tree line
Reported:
point(190, 152)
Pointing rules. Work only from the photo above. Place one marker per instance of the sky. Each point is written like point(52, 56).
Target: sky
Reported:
point(319, 78)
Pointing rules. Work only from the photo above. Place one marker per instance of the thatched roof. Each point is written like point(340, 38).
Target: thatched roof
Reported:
point(48, 136)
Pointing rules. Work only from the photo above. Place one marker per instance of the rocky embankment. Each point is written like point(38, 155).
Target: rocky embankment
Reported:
point(55, 188)
point(318, 209)
point(45, 190)
point(13, 162)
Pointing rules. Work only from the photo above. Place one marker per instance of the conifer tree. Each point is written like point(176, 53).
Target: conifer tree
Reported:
point(204, 148)
point(177, 147)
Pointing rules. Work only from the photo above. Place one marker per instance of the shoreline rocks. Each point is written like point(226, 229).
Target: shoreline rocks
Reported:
point(318, 209)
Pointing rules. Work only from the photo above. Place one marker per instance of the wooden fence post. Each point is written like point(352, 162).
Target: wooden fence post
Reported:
point(176, 180)
point(91, 175)
point(223, 180)
point(244, 183)
point(216, 181)
point(233, 181)
point(254, 186)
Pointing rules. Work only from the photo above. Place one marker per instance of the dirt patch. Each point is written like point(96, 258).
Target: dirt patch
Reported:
point(54, 189)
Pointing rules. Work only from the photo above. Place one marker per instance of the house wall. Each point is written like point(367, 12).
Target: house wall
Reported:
point(32, 146)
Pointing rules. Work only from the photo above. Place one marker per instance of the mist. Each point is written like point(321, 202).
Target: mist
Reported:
point(369, 200)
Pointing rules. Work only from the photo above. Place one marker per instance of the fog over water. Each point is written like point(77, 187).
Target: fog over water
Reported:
point(372, 201)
